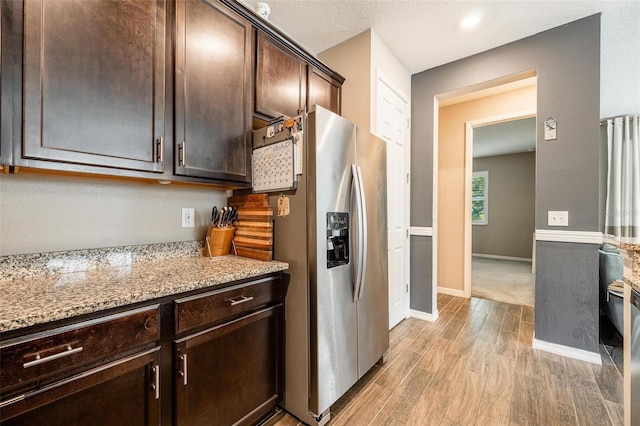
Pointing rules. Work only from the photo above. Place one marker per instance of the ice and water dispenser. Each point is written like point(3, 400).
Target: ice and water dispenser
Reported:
point(337, 239)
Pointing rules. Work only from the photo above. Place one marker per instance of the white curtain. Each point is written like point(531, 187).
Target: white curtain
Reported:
point(623, 177)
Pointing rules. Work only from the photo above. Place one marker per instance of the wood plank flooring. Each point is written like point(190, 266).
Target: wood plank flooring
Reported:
point(475, 366)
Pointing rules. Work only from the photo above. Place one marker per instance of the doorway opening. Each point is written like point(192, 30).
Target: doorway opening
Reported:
point(502, 208)
point(457, 114)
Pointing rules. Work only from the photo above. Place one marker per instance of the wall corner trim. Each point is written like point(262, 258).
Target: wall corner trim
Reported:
point(584, 237)
point(425, 316)
point(569, 352)
point(422, 231)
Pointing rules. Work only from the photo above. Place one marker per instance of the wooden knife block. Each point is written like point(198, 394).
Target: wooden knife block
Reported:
point(218, 241)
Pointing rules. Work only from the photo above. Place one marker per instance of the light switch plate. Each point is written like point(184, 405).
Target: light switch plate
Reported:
point(188, 217)
point(558, 218)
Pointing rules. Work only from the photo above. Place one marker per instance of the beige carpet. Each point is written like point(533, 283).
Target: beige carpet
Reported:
point(506, 281)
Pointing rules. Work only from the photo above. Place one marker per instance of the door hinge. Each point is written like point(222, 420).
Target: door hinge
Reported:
point(408, 123)
point(406, 288)
point(408, 177)
point(407, 231)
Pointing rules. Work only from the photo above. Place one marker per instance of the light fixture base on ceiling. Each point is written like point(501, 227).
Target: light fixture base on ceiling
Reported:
point(471, 20)
point(263, 10)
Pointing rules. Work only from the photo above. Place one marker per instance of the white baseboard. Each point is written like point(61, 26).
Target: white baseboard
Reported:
point(451, 292)
point(425, 316)
point(495, 256)
point(568, 351)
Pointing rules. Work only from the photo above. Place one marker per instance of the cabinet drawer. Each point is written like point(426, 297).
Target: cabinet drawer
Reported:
point(207, 308)
point(49, 353)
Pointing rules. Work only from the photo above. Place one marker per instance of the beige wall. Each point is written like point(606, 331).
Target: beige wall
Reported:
point(512, 193)
point(55, 213)
point(359, 60)
point(451, 184)
point(352, 59)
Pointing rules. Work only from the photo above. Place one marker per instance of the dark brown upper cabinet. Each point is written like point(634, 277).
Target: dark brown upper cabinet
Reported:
point(323, 90)
point(213, 92)
point(7, 85)
point(280, 80)
point(94, 82)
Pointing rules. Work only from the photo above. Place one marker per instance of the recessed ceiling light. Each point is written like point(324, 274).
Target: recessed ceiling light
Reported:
point(471, 20)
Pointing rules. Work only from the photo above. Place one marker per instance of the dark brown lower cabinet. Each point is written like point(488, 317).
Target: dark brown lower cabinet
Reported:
point(122, 392)
point(214, 357)
point(231, 374)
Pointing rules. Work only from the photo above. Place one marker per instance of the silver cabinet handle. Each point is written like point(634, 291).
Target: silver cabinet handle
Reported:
point(239, 300)
point(160, 150)
point(183, 154)
point(183, 372)
point(69, 351)
point(156, 380)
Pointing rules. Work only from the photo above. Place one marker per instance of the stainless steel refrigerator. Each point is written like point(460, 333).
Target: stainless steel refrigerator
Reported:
point(335, 241)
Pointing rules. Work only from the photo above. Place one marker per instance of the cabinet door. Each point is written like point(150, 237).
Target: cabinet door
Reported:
point(94, 82)
point(231, 374)
point(123, 392)
point(9, 85)
point(213, 86)
point(280, 80)
point(323, 90)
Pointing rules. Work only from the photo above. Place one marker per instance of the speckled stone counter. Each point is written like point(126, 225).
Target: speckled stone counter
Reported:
point(633, 282)
point(630, 251)
point(633, 258)
point(76, 283)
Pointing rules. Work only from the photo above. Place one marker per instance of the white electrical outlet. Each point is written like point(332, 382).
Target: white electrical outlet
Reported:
point(188, 217)
point(560, 218)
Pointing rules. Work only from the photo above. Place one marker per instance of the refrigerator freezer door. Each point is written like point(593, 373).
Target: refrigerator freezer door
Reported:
point(373, 306)
point(333, 316)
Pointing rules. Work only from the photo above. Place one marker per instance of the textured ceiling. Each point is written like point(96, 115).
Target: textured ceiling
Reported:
point(424, 33)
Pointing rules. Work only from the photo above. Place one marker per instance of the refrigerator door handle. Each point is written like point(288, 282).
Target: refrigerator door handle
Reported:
point(357, 189)
point(362, 217)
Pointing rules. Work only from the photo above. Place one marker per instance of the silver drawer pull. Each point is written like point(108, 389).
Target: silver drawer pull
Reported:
point(38, 360)
point(156, 380)
point(183, 373)
point(239, 300)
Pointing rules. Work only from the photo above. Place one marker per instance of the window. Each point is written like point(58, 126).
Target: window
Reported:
point(480, 198)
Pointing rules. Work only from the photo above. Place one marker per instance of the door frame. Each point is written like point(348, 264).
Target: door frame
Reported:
point(468, 174)
point(437, 100)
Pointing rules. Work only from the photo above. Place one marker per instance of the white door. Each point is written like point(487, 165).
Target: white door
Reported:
point(393, 126)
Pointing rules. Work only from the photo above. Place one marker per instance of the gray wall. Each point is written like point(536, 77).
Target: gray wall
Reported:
point(55, 213)
point(421, 295)
point(567, 60)
point(565, 280)
point(512, 194)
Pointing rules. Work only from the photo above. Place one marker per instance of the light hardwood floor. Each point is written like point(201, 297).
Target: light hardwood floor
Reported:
point(475, 366)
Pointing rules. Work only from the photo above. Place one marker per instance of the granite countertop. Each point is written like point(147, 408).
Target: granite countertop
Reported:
point(630, 252)
point(626, 245)
point(633, 282)
point(40, 298)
